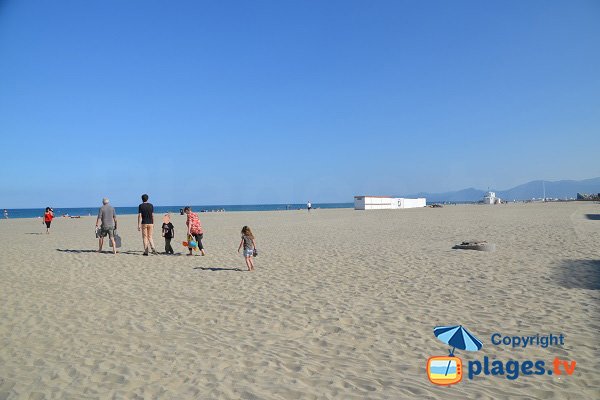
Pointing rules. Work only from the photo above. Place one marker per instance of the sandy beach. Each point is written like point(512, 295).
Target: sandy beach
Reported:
point(342, 305)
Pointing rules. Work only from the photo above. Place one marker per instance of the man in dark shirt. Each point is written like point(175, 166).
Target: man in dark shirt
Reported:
point(146, 224)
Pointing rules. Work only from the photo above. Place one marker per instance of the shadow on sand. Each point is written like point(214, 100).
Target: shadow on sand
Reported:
point(77, 251)
point(593, 217)
point(218, 269)
point(579, 274)
point(105, 251)
point(34, 233)
point(109, 251)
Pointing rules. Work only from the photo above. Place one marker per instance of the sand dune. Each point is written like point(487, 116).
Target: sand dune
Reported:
point(342, 305)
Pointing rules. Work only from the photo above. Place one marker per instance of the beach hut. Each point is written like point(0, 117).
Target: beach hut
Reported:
point(386, 202)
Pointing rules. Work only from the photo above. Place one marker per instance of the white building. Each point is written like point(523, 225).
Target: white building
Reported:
point(490, 198)
point(386, 202)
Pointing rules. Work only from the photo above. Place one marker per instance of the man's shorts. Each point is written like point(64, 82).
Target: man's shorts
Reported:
point(110, 231)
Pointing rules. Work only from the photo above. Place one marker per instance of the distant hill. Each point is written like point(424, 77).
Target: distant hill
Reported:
point(534, 189)
point(470, 194)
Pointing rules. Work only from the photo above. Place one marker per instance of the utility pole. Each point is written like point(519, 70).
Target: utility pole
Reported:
point(544, 187)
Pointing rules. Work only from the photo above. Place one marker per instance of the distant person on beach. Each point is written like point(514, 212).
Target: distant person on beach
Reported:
point(146, 224)
point(5, 213)
point(194, 229)
point(48, 216)
point(107, 219)
point(309, 206)
point(249, 247)
point(168, 232)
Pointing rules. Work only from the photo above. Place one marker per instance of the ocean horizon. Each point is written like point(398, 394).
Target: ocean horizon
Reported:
point(93, 211)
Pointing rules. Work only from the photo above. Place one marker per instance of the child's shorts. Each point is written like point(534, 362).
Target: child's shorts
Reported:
point(248, 252)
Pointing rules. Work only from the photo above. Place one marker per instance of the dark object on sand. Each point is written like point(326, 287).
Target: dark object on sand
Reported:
point(480, 245)
point(117, 241)
point(436, 206)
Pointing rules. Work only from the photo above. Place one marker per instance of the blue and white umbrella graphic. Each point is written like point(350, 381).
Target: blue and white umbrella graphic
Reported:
point(458, 337)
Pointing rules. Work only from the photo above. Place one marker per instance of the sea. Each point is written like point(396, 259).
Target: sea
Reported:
point(85, 211)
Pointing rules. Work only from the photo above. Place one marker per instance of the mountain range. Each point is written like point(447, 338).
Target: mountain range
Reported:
point(566, 189)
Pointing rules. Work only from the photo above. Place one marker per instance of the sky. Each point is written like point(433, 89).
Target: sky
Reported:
point(252, 102)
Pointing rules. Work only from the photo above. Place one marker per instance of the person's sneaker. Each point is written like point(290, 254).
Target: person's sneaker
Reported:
point(154, 252)
point(145, 253)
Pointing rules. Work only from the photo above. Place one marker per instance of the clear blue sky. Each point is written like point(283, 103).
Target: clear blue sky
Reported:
point(241, 102)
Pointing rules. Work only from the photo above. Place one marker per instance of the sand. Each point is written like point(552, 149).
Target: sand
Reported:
point(342, 305)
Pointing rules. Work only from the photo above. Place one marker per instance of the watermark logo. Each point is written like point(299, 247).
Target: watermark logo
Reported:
point(444, 370)
point(449, 370)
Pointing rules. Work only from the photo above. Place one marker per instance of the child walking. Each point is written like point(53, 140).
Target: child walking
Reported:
point(194, 229)
point(249, 246)
point(168, 232)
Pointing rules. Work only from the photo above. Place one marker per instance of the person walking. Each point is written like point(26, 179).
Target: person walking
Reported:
point(309, 206)
point(107, 219)
point(249, 247)
point(168, 232)
point(146, 224)
point(195, 230)
point(48, 217)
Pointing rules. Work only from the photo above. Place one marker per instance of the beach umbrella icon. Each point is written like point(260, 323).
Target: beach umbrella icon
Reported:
point(458, 337)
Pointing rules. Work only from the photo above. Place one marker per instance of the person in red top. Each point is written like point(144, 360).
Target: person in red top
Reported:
point(48, 216)
point(194, 229)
